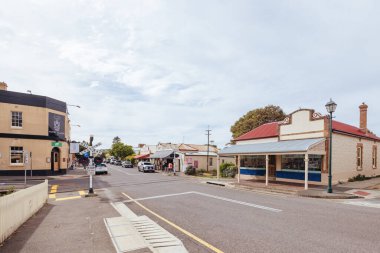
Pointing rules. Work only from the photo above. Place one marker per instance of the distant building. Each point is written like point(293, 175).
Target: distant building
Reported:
point(34, 134)
point(297, 149)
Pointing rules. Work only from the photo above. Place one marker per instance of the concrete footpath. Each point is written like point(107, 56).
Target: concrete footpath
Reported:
point(69, 222)
point(349, 190)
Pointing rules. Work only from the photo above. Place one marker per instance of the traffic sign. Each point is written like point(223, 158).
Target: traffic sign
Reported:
point(91, 170)
point(56, 144)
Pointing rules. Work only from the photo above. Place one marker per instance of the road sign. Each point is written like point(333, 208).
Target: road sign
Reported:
point(56, 144)
point(91, 170)
point(26, 158)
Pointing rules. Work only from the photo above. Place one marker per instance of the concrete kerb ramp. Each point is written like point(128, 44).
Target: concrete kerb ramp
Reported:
point(131, 232)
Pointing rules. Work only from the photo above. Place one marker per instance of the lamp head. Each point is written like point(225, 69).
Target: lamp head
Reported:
point(331, 106)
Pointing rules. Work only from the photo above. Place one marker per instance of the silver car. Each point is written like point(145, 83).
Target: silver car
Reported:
point(145, 167)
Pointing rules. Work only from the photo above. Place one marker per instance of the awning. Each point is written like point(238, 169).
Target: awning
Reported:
point(272, 147)
point(142, 156)
point(162, 154)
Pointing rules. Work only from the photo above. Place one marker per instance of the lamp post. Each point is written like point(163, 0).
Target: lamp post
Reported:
point(72, 106)
point(330, 107)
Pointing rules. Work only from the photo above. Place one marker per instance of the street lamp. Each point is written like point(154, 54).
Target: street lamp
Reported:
point(72, 106)
point(330, 107)
point(75, 125)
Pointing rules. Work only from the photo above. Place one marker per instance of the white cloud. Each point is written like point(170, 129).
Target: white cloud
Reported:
point(152, 71)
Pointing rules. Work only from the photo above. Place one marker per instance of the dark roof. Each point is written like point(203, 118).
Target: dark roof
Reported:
point(264, 131)
point(348, 129)
point(11, 97)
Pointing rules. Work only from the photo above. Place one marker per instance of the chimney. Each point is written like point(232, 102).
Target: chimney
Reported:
point(363, 117)
point(3, 86)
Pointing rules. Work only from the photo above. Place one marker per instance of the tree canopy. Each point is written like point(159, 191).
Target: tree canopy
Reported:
point(255, 118)
point(120, 150)
point(116, 139)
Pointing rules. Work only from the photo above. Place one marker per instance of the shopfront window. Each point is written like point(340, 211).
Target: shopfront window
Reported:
point(297, 162)
point(253, 161)
point(17, 156)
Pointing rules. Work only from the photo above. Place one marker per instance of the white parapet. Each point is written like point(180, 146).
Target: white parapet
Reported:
point(18, 207)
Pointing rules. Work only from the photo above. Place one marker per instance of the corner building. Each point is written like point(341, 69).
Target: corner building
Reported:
point(34, 134)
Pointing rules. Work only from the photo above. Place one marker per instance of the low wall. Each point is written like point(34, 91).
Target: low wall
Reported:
point(18, 207)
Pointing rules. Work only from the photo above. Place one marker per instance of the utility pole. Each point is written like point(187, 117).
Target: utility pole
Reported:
point(208, 144)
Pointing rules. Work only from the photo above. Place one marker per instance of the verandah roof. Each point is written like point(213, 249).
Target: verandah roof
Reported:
point(272, 147)
point(162, 154)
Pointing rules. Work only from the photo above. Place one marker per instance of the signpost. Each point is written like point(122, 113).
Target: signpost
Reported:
point(56, 144)
point(89, 153)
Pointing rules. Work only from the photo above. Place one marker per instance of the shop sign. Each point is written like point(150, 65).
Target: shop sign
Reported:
point(56, 144)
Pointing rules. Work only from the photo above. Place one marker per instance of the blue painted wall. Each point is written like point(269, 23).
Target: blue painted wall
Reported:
point(298, 175)
point(252, 172)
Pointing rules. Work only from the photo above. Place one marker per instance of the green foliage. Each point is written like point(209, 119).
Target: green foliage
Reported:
point(190, 170)
point(116, 139)
point(255, 118)
point(358, 177)
point(121, 150)
point(228, 170)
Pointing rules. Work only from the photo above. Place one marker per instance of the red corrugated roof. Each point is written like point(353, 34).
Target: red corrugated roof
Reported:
point(264, 131)
point(342, 127)
point(142, 156)
point(271, 130)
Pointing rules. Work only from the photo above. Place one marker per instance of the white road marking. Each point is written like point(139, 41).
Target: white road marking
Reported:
point(210, 196)
point(363, 203)
point(159, 196)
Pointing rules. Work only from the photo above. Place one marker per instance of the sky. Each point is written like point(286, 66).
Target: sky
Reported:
point(154, 71)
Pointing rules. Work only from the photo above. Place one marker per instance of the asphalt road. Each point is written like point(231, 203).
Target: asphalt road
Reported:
point(243, 221)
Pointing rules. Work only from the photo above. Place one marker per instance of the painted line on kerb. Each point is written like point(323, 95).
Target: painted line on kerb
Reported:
point(68, 198)
point(54, 189)
point(209, 196)
point(82, 193)
point(192, 236)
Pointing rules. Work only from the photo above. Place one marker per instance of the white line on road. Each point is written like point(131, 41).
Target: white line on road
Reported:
point(159, 196)
point(210, 196)
point(363, 203)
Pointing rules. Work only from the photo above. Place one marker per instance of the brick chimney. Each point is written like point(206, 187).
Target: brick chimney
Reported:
point(363, 117)
point(3, 86)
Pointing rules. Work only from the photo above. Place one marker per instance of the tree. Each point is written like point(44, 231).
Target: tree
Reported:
point(116, 139)
point(255, 118)
point(121, 150)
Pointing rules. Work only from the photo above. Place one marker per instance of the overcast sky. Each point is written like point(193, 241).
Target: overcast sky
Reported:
point(151, 71)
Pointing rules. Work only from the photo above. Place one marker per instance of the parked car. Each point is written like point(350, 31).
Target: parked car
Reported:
point(118, 162)
point(101, 169)
point(127, 164)
point(145, 167)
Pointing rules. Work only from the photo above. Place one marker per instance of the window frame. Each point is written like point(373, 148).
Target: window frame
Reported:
point(18, 120)
point(11, 152)
point(374, 157)
point(359, 156)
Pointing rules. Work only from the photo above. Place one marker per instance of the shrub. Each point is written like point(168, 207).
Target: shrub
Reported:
point(190, 170)
point(358, 177)
point(213, 172)
point(228, 170)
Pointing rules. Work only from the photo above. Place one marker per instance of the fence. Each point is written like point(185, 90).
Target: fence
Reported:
point(18, 207)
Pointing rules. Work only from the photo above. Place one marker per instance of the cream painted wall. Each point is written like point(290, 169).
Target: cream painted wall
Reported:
point(35, 120)
point(201, 162)
point(344, 157)
point(264, 140)
point(301, 126)
point(41, 150)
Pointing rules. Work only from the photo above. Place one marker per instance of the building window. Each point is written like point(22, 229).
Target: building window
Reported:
point(210, 161)
point(359, 157)
point(374, 157)
point(17, 155)
point(297, 162)
point(252, 161)
point(16, 119)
